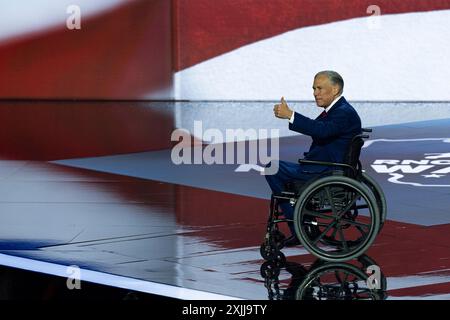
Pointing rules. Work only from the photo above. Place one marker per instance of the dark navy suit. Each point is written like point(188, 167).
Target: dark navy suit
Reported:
point(331, 135)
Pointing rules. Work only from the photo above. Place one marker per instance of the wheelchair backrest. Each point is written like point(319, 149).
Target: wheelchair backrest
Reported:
point(353, 153)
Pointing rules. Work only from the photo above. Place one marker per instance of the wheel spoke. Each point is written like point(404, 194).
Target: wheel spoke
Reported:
point(347, 207)
point(344, 242)
point(333, 235)
point(355, 223)
point(343, 283)
point(331, 225)
point(346, 276)
point(330, 199)
point(322, 224)
point(316, 214)
point(338, 277)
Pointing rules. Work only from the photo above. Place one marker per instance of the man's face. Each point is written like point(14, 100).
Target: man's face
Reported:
point(324, 91)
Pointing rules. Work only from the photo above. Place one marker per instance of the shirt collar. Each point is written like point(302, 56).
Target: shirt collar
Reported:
point(327, 109)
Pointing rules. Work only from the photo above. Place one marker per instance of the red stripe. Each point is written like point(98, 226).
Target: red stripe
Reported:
point(206, 29)
point(119, 54)
point(60, 130)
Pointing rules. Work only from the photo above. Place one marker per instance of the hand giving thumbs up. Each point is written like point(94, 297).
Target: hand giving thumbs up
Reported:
point(282, 110)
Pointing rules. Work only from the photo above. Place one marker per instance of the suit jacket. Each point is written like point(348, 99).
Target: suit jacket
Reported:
point(331, 134)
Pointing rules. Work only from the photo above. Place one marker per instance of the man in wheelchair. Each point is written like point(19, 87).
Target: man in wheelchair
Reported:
point(330, 211)
point(331, 132)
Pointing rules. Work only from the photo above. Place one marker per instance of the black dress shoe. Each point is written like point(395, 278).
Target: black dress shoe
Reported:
point(292, 241)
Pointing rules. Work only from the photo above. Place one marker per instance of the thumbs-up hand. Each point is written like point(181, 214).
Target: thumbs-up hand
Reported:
point(282, 110)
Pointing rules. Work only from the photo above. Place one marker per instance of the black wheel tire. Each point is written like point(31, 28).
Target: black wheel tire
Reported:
point(269, 251)
point(364, 191)
point(379, 196)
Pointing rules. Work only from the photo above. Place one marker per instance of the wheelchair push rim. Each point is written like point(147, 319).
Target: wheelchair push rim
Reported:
point(379, 196)
point(336, 218)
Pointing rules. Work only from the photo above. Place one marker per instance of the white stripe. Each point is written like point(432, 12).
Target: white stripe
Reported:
point(396, 283)
point(111, 280)
point(406, 59)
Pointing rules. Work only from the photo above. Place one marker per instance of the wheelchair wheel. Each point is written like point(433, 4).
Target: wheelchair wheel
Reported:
point(270, 252)
point(336, 218)
point(379, 196)
point(278, 237)
point(336, 281)
point(271, 269)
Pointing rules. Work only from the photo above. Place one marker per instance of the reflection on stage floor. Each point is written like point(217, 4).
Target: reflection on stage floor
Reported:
point(135, 221)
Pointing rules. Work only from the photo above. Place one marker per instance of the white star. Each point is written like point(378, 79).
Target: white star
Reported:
point(432, 175)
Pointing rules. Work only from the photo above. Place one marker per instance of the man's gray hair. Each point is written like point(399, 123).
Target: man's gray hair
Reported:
point(334, 77)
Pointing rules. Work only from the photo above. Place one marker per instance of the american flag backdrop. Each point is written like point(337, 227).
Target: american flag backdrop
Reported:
point(223, 49)
point(386, 50)
point(253, 50)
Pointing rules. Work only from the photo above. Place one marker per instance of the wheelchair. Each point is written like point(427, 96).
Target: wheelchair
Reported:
point(324, 280)
point(337, 215)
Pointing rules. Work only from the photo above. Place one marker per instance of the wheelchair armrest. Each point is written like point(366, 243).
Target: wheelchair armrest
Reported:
point(366, 130)
point(324, 163)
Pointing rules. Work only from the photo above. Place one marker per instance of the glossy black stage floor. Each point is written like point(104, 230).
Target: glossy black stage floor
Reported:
point(137, 221)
